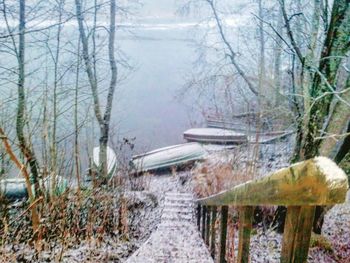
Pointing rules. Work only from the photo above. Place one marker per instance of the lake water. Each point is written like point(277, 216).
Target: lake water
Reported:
point(161, 47)
point(147, 108)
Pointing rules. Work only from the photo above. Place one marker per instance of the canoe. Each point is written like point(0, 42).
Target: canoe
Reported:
point(270, 137)
point(15, 188)
point(167, 157)
point(215, 135)
point(265, 135)
point(222, 124)
point(111, 159)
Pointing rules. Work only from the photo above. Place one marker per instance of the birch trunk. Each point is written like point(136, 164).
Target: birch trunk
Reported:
point(277, 59)
point(76, 126)
point(103, 120)
point(53, 149)
point(20, 120)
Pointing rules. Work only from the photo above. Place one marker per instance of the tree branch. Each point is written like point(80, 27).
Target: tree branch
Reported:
point(231, 54)
point(290, 32)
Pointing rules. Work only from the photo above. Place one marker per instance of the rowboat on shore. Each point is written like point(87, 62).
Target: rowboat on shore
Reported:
point(215, 135)
point(269, 137)
point(223, 124)
point(168, 157)
point(15, 188)
point(111, 160)
point(254, 135)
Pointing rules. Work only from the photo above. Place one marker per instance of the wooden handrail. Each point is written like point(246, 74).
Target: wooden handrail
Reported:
point(317, 181)
point(300, 187)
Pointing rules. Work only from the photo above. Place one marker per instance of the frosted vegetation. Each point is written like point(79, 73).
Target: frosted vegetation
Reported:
point(115, 116)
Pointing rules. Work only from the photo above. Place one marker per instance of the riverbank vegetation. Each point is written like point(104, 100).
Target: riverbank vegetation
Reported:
point(261, 66)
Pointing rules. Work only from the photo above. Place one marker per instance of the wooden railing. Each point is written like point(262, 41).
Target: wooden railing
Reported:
point(300, 188)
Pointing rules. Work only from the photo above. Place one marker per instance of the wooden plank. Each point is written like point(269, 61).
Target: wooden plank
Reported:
point(290, 228)
point(297, 234)
point(204, 211)
point(207, 227)
point(245, 228)
point(223, 234)
point(199, 217)
point(318, 181)
point(213, 232)
point(302, 244)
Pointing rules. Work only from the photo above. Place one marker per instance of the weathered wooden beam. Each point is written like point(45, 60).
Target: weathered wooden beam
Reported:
point(318, 181)
point(297, 234)
point(223, 233)
point(207, 232)
point(245, 228)
point(204, 211)
point(213, 231)
point(199, 217)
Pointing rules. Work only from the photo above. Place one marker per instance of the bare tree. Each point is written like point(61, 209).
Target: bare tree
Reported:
point(325, 95)
point(22, 168)
point(76, 123)
point(231, 53)
point(102, 119)
point(55, 58)
point(278, 57)
point(25, 147)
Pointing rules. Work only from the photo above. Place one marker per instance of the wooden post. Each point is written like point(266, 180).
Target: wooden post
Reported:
point(297, 234)
point(245, 227)
point(204, 211)
point(207, 232)
point(223, 233)
point(199, 217)
point(213, 234)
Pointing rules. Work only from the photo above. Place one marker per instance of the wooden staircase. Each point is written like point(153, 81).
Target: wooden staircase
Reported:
point(300, 187)
point(177, 238)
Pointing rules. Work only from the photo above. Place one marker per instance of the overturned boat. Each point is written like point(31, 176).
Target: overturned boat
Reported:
point(254, 135)
point(15, 188)
point(269, 137)
point(223, 124)
point(111, 160)
point(215, 135)
point(168, 157)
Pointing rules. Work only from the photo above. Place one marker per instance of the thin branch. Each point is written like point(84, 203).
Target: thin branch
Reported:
point(290, 32)
point(331, 88)
point(274, 30)
point(232, 53)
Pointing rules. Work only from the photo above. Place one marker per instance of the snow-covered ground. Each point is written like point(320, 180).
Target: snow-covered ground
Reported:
point(144, 215)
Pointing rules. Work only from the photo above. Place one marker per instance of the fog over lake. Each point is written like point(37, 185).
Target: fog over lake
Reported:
point(158, 44)
point(162, 47)
point(147, 107)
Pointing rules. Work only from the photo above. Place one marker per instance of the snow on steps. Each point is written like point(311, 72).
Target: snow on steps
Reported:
point(176, 238)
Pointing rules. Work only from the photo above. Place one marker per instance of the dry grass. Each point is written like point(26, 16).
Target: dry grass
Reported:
point(220, 172)
point(66, 221)
point(102, 224)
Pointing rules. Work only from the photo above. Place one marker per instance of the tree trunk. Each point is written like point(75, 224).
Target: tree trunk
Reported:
point(53, 150)
point(277, 59)
point(103, 121)
point(76, 126)
point(262, 89)
point(322, 91)
point(107, 115)
point(23, 170)
point(20, 121)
